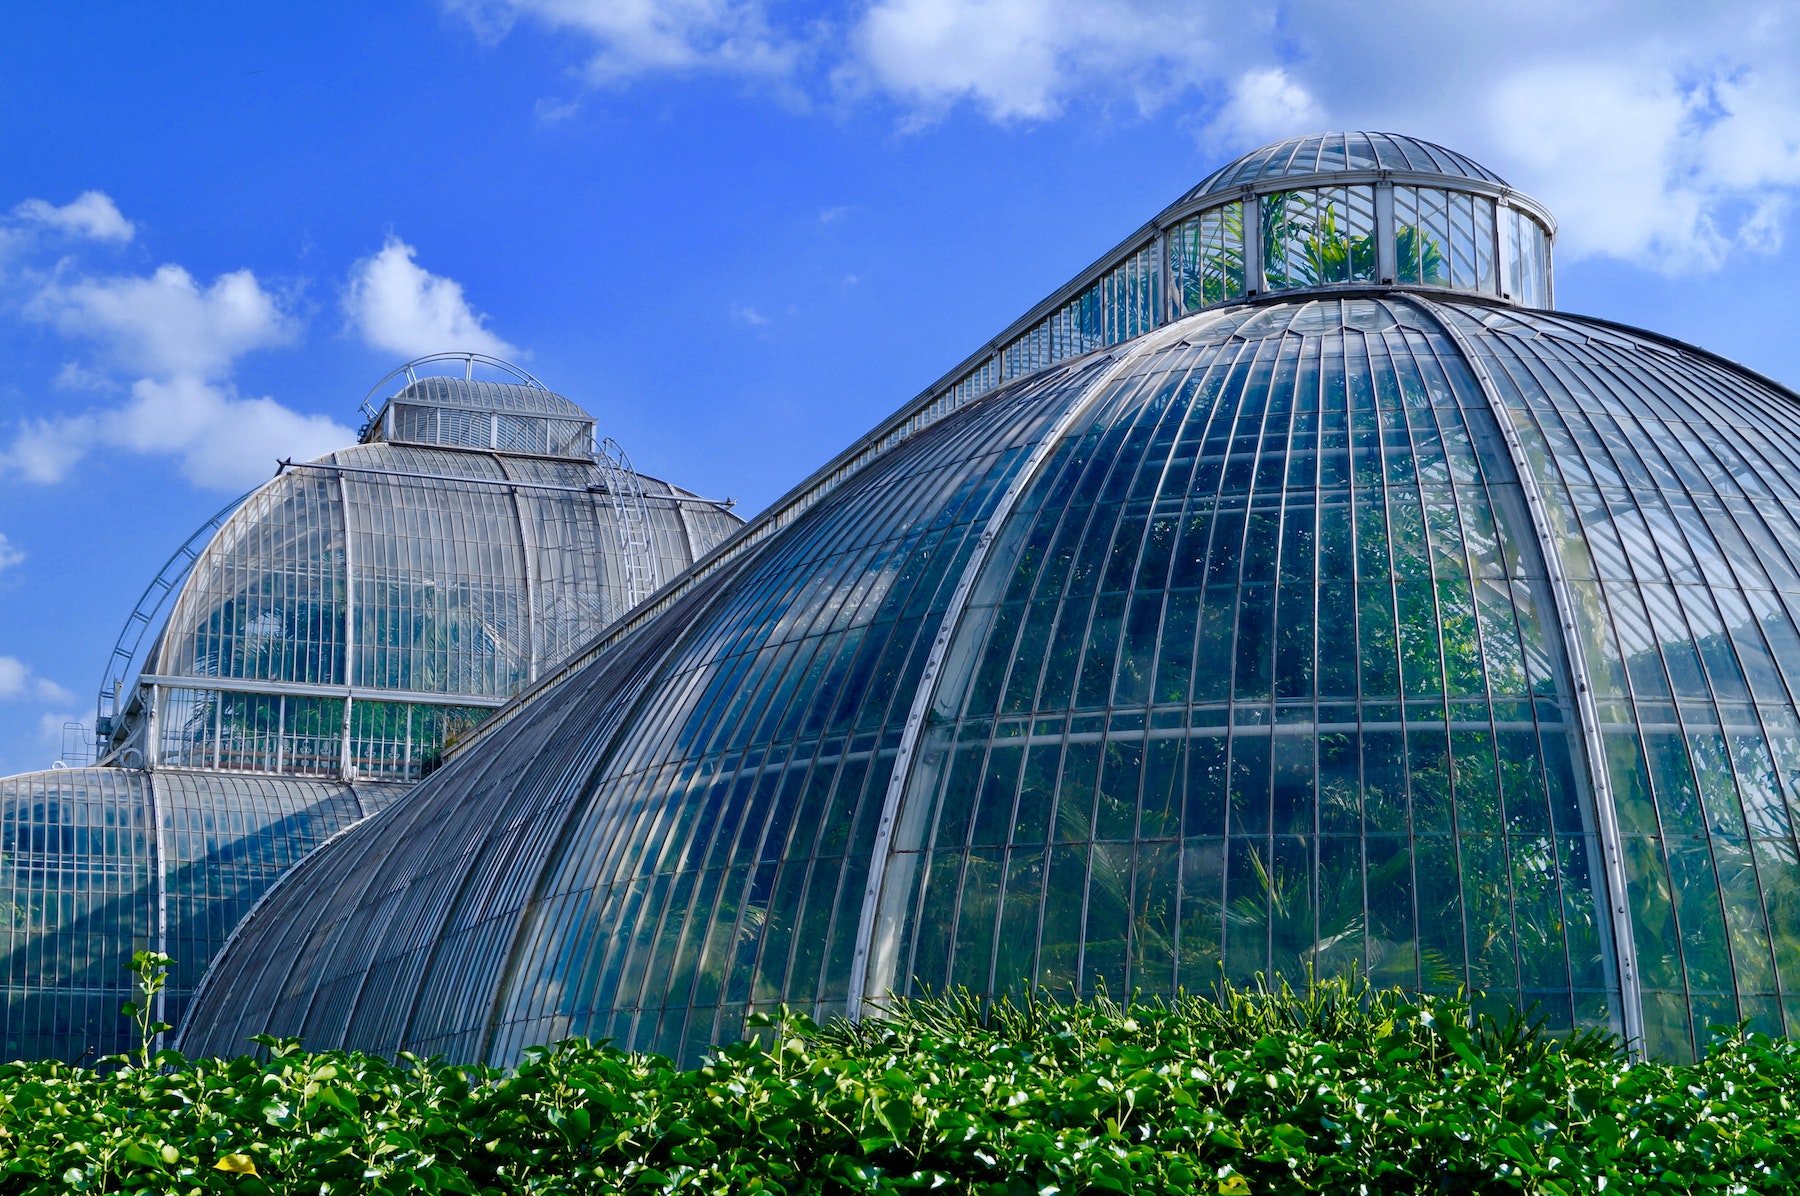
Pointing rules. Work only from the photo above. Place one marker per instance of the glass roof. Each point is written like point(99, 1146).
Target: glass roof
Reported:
point(474, 395)
point(1323, 152)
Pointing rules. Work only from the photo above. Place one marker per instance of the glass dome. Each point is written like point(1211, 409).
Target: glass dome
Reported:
point(1405, 635)
point(1340, 153)
point(361, 610)
point(345, 625)
point(1339, 211)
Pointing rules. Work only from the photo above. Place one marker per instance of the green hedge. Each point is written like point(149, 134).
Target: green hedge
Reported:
point(1341, 1092)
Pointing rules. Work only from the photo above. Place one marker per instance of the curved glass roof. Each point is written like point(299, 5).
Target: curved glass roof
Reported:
point(1237, 648)
point(478, 395)
point(1321, 153)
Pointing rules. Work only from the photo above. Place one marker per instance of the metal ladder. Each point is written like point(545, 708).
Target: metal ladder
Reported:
point(632, 519)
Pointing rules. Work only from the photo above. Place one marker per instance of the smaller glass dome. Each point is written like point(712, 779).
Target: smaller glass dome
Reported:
point(1332, 153)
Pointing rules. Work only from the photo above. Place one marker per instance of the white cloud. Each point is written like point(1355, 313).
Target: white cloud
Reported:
point(91, 214)
point(1266, 105)
point(1659, 133)
point(1639, 164)
point(75, 376)
point(222, 441)
point(18, 681)
point(178, 341)
point(1025, 59)
point(396, 304)
point(9, 554)
point(167, 323)
point(630, 37)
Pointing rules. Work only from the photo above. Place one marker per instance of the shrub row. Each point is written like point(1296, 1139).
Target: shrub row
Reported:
point(1339, 1091)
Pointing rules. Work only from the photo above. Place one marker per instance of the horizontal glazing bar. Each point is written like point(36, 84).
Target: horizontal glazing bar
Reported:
point(361, 693)
point(509, 483)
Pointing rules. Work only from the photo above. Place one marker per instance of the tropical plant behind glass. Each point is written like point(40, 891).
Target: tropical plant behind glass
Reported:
point(1304, 245)
point(1212, 269)
point(1418, 257)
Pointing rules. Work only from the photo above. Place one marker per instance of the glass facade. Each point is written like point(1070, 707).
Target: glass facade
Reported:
point(96, 863)
point(1405, 631)
point(1261, 685)
point(1670, 485)
point(347, 626)
point(1318, 236)
point(416, 582)
point(1368, 209)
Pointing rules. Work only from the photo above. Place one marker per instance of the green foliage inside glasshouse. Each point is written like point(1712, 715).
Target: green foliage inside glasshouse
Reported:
point(1337, 1091)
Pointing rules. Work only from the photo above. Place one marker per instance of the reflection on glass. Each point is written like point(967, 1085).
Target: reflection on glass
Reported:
point(1315, 237)
point(1528, 257)
point(1206, 258)
point(1312, 745)
point(1444, 239)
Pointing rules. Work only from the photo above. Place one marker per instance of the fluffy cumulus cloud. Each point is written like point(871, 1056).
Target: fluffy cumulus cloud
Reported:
point(1264, 104)
point(176, 340)
point(18, 682)
point(92, 214)
point(168, 324)
point(222, 440)
point(10, 554)
point(630, 37)
point(397, 305)
point(1658, 137)
point(1025, 59)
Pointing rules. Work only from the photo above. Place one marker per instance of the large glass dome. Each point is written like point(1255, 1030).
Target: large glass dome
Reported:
point(362, 610)
point(1397, 631)
point(345, 625)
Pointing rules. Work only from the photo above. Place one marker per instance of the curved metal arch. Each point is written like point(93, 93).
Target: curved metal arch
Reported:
point(469, 360)
point(926, 692)
point(121, 666)
point(1606, 815)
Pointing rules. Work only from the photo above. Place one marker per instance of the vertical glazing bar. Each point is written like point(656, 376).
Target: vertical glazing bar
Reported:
point(1385, 254)
point(345, 768)
point(1600, 785)
point(152, 698)
point(1252, 234)
point(1503, 258)
point(1549, 268)
point(159, 861)
point(280, 731)
point(528, 556)
point(1159, 272)
point(926, 691)
point(346, 759)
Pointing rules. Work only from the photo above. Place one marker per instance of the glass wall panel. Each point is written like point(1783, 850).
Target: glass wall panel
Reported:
point(1232, 794)
point(723, 847)
point(1206, 258)
point(412, 569)
point(1316, 237)
point(81, 851)
point(1660, 469)
point(1528, 260)
point(1445, 239)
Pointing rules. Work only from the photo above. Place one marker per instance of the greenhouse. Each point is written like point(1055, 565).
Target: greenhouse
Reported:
point(344, 624)
point(1294, 593)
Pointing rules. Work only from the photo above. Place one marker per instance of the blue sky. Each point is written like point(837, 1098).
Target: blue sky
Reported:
point(738, 231)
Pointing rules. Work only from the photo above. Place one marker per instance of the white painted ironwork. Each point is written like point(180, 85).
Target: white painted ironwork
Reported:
point(926, 691)
point(123, 664)
point(631, 516)
point(1605, 811)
